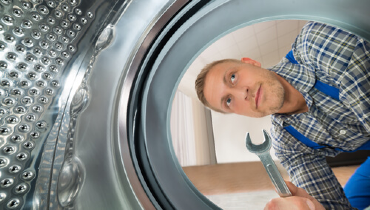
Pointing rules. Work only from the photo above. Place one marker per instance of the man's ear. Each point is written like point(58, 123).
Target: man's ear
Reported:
point(251, 61)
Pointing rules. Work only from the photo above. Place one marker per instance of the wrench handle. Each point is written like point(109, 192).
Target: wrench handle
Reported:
point(275, 176)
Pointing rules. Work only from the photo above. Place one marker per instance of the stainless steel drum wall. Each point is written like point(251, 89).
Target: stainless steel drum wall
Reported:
point(43, 45)
point(116, 150)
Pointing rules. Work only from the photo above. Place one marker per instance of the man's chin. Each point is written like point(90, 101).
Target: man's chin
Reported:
point(259, 115)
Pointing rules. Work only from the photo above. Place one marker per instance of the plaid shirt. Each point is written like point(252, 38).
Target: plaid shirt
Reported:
point(339, 59)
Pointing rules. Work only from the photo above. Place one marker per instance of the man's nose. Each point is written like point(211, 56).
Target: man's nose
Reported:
point(241, 93)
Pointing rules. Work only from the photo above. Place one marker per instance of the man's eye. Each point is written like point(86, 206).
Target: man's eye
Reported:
point(228, 102)
point(232, 78)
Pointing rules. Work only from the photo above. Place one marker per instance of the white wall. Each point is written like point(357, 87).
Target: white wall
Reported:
point(230, 132)
point(192, 144)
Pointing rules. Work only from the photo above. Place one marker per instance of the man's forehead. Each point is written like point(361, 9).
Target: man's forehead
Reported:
point(226, 64)
point(214, 82)
point(215, 72)
point(221, 68)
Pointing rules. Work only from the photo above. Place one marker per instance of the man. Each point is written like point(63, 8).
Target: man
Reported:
point(319, 101)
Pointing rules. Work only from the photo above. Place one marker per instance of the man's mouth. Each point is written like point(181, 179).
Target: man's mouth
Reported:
point(258, 94)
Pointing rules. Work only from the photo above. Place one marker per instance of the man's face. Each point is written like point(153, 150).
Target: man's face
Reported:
point(243, 88)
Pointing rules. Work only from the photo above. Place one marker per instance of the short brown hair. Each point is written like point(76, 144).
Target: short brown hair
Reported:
point(201, 78)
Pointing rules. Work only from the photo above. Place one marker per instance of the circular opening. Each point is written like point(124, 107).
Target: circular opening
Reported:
point(175, 53)
point(207, 142)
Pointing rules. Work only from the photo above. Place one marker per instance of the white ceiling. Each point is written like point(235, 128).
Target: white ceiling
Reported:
point(266, 42)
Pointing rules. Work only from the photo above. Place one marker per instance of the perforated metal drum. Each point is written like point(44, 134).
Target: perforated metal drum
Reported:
point(46, 51)
point(86, 89)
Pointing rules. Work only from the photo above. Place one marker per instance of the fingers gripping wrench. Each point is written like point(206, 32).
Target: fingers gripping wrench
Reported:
point(263, 152)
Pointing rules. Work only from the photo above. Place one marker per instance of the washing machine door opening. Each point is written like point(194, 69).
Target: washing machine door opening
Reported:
point(172, 52)
point(102, 106)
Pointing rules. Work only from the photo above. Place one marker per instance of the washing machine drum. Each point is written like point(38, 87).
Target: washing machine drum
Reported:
point(86, 89)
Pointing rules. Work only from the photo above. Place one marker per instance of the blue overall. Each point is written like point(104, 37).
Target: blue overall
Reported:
point(357, 188)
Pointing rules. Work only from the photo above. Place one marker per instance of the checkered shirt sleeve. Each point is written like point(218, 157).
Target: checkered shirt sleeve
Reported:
point(343, 60)
point(309, 170)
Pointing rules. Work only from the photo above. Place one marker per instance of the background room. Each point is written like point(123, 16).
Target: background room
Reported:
point(211, 146)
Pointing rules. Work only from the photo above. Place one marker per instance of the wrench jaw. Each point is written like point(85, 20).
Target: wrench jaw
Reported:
point(260, 148)
point(248, 142)
point(263, 152)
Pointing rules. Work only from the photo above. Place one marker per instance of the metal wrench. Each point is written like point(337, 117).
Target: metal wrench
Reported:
point(263, 152)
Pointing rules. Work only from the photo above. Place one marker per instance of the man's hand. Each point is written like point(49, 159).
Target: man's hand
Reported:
point(300, 200)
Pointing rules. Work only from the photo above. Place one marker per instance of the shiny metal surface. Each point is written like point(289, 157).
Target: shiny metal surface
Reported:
point(46, 48)
point(84, 107)
point(139, 187)
point(112, 172)
point(263, 152)
point(61, 45)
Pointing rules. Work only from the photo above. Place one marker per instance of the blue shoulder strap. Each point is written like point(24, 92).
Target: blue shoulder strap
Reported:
point(325, 88)
point(290, 57)
point(302, 138)
point(328, 90)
